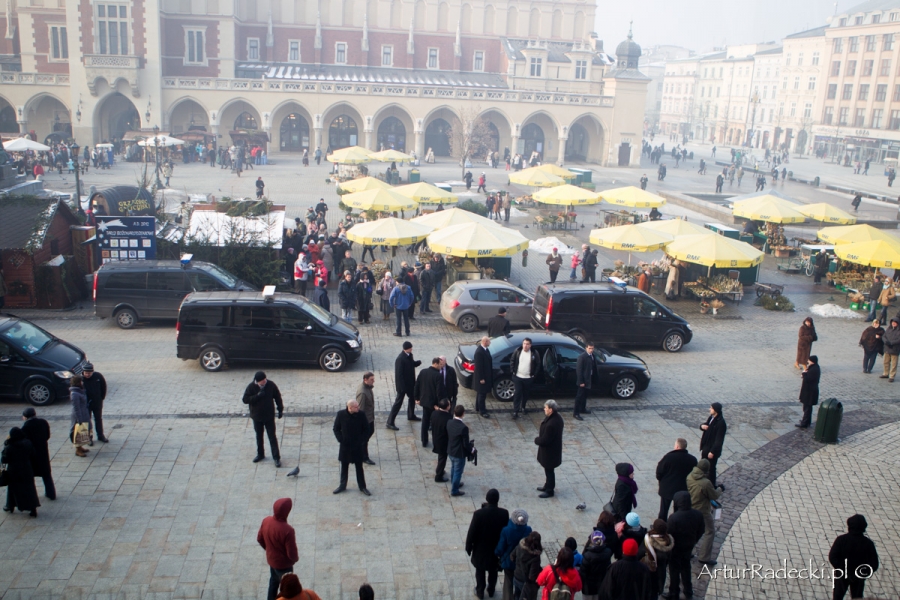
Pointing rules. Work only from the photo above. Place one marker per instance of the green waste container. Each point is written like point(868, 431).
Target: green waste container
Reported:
point(828, 421)
point(414, 176)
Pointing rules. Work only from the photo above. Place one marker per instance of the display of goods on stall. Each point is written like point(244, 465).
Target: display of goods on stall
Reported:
point(697, 289)
point(852, 279)
point(424, 255)
point(725, 285)
point(378, 269)
point(775, 235)
point(801, 241)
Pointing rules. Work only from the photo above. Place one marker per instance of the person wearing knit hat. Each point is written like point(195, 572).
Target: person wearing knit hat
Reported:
point(627, 578)
point(95, 390)
point(263, 397)
point(632, 519)
point(632, 531)
point(514, 532)
point(713, 438)
point(481, 542)
point(595, 563)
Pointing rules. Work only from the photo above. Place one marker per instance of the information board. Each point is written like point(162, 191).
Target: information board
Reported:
point(126, 238)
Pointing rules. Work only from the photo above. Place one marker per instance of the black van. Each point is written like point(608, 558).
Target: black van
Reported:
point(142, 290)
point(222, 327)
point(608, 315)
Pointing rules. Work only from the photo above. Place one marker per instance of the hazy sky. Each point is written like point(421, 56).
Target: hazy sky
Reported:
point(702, 24)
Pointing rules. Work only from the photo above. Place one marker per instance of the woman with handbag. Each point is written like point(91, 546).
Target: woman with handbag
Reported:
point(81, 417)
point(18, 475)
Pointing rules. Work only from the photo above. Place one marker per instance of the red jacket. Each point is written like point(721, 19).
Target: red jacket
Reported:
point(277, 537)
point(546, 580)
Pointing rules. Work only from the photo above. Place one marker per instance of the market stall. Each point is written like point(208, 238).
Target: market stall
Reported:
point(454, 216)
point(349, 162)
point(633, 197)
point(631, 238)
point(385, 200)
point(567, 196)
point(490, 246)
point(390, 231)
point(535, 177)
point(362, 184)
point(848, 234)
point(827, 213)
point(425, 193)
point(738, 260)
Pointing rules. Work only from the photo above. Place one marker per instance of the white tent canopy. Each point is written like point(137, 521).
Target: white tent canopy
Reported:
point(23, 144)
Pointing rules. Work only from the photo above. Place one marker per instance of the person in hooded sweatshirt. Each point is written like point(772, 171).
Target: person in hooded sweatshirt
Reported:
point(658, 545)
point(628, 578)
point(855, 555)
point(514, 532)
point(625, 496)
point(562, 570)
point(279, 541)
point(686, 526)
point(595, 562)
point(528, 567)
point(702, 492)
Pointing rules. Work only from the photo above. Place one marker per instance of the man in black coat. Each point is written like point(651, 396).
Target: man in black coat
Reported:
point(427, 392)
point(95, 390)
point(457, 449)
point(351, 430)
point(483, 377)
point(686, 526)
point(426, 282)
point(405, 380)
point(449, 383)
point(439, 421)
point(549, 442)
point(263, 395)
point(585, 369)
point(38, 433)
point(628, 578)
point(713, 438)
point(672, 472)
point(809, 390)
point(484, 533)
point(855, 555)
point(498, 324)
point(524, 365)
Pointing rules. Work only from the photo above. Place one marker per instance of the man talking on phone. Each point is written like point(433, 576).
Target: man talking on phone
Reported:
point(263, 395)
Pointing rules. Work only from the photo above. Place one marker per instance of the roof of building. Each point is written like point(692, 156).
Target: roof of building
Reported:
point(556, 51)
point(778, 50)
point(714, 56)
point(814, 32)
point(388, 76)
point(26, 220)
point(872, 5)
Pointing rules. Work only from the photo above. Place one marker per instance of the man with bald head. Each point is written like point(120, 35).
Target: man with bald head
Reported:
point(482, 379)
point(351, 430)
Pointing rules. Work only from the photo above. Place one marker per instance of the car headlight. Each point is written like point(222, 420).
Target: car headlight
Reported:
point(64, 374)
point(689, 328)
point(353, 343)
point(647, 373)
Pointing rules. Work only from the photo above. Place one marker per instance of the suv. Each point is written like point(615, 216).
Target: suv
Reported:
point(608, 315)
point(35, 364)
point(222, 327)
point(132, 291)
point(470, 304)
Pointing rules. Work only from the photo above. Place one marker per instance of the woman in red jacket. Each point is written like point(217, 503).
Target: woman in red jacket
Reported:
point(563, 570)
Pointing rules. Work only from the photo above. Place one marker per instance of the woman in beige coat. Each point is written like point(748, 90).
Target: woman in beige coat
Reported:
point(672, 281)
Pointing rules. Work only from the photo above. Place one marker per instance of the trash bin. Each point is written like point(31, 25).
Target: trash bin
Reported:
point(816, 181)
point(414, 176)
point(395, 177)
point(828, 421)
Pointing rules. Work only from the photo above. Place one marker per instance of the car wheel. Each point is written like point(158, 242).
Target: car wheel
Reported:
point(212, 359)
point(468, 323)
point(39, 393)
point(504, 389)
point(624, 387)
point(579, 337)
point(673, 342)
point(332, 360)
point(126, 318)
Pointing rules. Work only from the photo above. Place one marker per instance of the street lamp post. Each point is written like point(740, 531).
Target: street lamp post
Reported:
point(158, 183)
point(754, 99)
point(73, 151)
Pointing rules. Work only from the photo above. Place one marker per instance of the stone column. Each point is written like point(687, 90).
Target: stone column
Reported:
point(561, 155)
point(370, 134)
point(420, 140)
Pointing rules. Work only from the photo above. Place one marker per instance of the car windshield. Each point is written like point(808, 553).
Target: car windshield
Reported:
point(499, 344)
point(318, 313)
point(27, 337)
point(223, 275)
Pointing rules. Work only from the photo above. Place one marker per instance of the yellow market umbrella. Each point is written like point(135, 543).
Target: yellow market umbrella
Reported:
point(849, 234)
point(387, 200)
point(567, 195)
point(474, 240)
point(629, 237)
point(714, 250)
point(881, 254)
point(768, 208)
point(354, 155)
point(535, 177)
point(453, 216)
point(633, 197)
point(675, 227)
point(558, 171)
point(362, 184)
point(390, 155)
point(388, 232)
point(425, 193)
point(827, 213)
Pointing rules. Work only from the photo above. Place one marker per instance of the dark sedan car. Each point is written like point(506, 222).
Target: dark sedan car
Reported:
point(35, 365)
point(620, 373)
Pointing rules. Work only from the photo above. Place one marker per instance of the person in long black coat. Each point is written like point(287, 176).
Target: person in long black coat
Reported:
point(686, 526)
point(405, 380)
point(809, 391)
point(482, 378)
point(625, 491)
point(439, 420)
point(38, 433)
point(849, 553)
point(585, 369)
point(713, 438)
point(427, 392)
point(17, 456)
point(549, 442)
point(351, 430)
point(672, 472)
point(484, 533)
point(449, 383)
point(627, 578)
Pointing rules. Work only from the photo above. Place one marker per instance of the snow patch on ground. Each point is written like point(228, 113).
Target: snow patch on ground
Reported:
point(547, 244)
point(834, 311)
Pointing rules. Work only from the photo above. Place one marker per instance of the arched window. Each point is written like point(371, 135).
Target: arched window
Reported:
point(578, 30)
point(512, 21)
point(245, 121)
point(465, 18)
point(294, 133)
point(443, 17)
point(533, 138)
point(342, 133)
point(534, 23)
point(489, 19)
point(556, 24)
point(437, 137)
point(391, 135)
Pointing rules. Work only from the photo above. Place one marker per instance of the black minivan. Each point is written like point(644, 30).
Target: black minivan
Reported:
point(222, 327)
point(609, 315)
point(143, 290)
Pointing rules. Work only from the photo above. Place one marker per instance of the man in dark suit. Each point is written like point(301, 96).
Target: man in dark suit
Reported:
point(585, 369)
point(449, 383)
point(672, 472)
point(457, 448)
point(262, 395)
point(427, 392)
point(484, 533)
point(439, 421)
point(713, 438)
point(38, 433)
point(351, 430)
point(809, 390)
point(482, 379)
point(405, 380)
point(549, 443)
point(498, 324)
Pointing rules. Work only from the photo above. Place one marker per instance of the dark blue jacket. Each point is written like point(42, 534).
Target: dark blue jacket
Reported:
point(510, 537)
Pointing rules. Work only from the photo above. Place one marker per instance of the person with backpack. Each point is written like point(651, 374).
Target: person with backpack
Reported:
point(658, 545)
point(561, 580)
point(595, 562)
point(528, 567)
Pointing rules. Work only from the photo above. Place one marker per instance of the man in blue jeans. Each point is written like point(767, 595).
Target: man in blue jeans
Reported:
point(401, 299)
point(457, 448)
point(874, 293)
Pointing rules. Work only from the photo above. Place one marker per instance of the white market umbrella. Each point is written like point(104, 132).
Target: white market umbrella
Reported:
point(23, 144)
